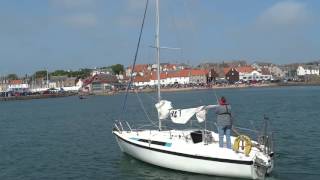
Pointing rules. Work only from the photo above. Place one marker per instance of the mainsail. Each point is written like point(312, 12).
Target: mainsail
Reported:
point(181, 116)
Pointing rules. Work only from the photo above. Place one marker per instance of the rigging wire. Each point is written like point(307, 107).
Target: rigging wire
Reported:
point(135, 57)
point(151, 97)
point(144, 110)
point(215, 93)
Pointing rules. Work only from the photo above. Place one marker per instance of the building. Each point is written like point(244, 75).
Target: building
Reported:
point(181, 77)
point(198, 76)
point(62, 82)
point(248, 74)
point(212, 75)
point(169, 67)
point(142, 80)
point(17, 86)
point(102, 83)
point(139, 69)
point(232, 75)
point(277, 72)
point(307, 70)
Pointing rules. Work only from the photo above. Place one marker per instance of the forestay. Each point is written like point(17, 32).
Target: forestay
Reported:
point(181, 116)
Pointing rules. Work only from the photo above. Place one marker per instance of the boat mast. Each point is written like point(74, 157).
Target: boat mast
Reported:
point(158, 53)
point(47, 78)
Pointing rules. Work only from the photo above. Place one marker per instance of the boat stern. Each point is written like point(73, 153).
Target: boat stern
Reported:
point(263, 165)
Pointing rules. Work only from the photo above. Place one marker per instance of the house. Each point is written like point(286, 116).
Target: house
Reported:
point(272, 69)
point(3, 87)
point(106, 70)
point(154, 79)
point(142, 80)
point(177, 77)
point(140, 69)
point(102, 83)
point(17, 86)
point(180, 77)
point(265, 75)
point(169, 67)
point(212, 75)
point(231, 74)
point(276, 71)
point(248, 74)
point(198, 76)
point(62, 81)
point(307, 70)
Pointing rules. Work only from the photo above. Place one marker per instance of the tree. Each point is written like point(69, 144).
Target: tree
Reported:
point(117, 68)
point(12, 77)
point(82, 73)
point(59, 73)
point(41, 74)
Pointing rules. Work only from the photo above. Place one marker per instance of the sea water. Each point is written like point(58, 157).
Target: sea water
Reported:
point(69, 138)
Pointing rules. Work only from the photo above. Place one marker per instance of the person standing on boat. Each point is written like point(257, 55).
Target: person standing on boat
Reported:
point(224, 121)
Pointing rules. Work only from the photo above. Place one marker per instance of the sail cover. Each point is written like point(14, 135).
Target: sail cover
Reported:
point(163, 108)
point(181, 116)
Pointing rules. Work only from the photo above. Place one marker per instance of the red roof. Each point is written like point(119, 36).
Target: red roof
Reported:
point(174, 74)
point(199, 72)
point(140, 67)
point(15, 82)
point(155, 77)
point(145, 78)
point(226, 70)
point(245, 69)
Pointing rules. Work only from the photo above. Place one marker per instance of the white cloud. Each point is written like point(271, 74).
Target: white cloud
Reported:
point(81, 20)
point(285, 13)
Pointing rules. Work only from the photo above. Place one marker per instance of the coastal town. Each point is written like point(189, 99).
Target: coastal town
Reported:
point(173, 77)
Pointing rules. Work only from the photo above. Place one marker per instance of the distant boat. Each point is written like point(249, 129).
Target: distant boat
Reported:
point(193, 150)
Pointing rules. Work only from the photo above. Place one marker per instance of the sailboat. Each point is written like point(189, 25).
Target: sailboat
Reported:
point(194, 150)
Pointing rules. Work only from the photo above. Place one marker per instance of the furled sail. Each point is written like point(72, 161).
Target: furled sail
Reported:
point(181, 116)
point(201, 115)
point(163, 108)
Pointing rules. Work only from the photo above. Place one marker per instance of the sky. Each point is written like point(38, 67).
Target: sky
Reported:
point(73, 34)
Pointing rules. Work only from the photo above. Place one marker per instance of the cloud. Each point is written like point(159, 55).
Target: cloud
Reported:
point(287, 13)
point(81, 20)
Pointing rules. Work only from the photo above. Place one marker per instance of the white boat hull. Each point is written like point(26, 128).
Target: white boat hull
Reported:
point(187, 162)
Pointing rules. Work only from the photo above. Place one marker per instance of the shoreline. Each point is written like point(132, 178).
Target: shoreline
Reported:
point(182, 89)
point(271, 85)
point(42, 96)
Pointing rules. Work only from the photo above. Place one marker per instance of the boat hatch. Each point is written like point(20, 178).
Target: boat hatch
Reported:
point(196, 136)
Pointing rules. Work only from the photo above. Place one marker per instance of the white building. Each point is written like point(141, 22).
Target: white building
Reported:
point(18, 87)
point(307, 70)
point(247, 73)
point(181, 77)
